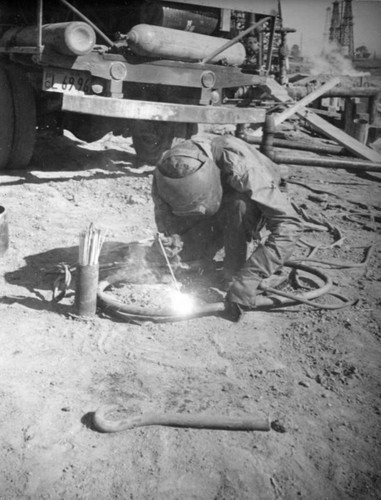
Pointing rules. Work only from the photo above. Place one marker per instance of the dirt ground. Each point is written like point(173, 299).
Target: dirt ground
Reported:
point(314, 373)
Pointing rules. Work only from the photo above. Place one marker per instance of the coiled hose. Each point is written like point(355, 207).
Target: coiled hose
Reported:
point(271, 298)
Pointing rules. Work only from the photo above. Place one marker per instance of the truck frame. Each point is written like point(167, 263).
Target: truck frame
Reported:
point(156, 99)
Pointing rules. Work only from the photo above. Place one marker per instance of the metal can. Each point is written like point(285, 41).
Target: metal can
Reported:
point(4, 231)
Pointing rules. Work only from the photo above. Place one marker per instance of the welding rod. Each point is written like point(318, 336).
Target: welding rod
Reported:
point(167, 261)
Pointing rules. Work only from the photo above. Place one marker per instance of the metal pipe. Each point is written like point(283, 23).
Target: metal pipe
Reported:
point(288, 144)
point(87, 20)
point(360, 130)
point(353, 92)
point(299, 91)
point(359, 165)
point(104, 421)
point(267, 145)
point(39, 25)
point(372, 107)
point(231, 42)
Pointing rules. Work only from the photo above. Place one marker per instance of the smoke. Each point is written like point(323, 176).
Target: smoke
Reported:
point(129, 262)
point(332, 61)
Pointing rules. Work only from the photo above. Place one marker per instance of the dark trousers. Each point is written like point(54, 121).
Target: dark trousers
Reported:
point(231, 228)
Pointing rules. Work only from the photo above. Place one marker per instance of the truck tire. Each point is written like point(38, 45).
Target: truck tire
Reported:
point(24, 118)
point(151, 138)
point(6, 119)
point(92, 128)
point(88, 128)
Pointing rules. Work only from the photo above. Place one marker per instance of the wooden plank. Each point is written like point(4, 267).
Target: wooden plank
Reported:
point(351, 144)
point(277, 91)
point(298, 106)
point(326, 128)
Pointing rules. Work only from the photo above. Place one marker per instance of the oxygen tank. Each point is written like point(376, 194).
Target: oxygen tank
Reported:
point(166, 43)
point(72, 38)
point(203, 20)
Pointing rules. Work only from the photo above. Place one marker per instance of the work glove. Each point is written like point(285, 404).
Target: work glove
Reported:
point(245, 287)
point(243, 291)
point(240, 297)
point(172, 246)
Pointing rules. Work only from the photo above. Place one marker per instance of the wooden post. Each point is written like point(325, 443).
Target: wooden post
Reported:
point(349, 112)
point(372, 107)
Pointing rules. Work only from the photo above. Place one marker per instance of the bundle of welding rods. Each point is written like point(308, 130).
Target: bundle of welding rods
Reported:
point(90, 245)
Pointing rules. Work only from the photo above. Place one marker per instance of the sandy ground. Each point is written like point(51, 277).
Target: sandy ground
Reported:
point(316, 373)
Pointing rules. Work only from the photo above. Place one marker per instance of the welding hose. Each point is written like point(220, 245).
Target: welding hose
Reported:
point(128, 312)
point(103, 421)
point(342, 264)
point(272, 298)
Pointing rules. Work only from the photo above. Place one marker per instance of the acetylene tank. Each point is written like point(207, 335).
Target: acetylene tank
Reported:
point(70, 38)
point(166, 43)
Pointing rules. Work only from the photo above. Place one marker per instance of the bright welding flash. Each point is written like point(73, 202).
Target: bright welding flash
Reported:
point(182, 303)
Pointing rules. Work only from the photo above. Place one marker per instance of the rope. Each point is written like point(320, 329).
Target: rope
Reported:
point(62, 283)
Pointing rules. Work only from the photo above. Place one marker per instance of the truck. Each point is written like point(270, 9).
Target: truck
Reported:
point(149, 69)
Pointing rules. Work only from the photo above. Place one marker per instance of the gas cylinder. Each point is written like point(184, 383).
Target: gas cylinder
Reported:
point(166, 43)
point(72, 38)
point(203, 20)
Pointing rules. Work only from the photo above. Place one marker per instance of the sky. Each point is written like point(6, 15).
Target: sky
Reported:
point(308, 17)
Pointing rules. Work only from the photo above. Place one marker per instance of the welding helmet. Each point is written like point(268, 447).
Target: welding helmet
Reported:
point(188, 180)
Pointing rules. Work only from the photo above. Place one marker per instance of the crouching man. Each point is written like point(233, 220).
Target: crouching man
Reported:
point(219, 193)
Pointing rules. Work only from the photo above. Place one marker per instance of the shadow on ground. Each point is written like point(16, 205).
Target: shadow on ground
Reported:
point(66, 154)
point(133, 262)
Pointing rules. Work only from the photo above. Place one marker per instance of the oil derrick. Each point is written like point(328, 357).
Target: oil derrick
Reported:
point(346, 32)
point(326, 29)
point(282, 46)
point(334, 30)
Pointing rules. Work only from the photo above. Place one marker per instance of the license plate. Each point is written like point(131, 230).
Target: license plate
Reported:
point(66, 81)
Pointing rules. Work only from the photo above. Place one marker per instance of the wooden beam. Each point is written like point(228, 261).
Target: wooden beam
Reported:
point(298, 106)
point(351, 144)
point(280, 94)
point(327, 129)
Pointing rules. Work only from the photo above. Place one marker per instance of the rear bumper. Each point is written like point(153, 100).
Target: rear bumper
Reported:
point(161, 111)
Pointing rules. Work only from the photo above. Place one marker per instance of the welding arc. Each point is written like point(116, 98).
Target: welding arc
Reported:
point(102, 421)
point(276, 299)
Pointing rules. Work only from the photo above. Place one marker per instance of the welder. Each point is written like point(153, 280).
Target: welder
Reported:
point(220, 192)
